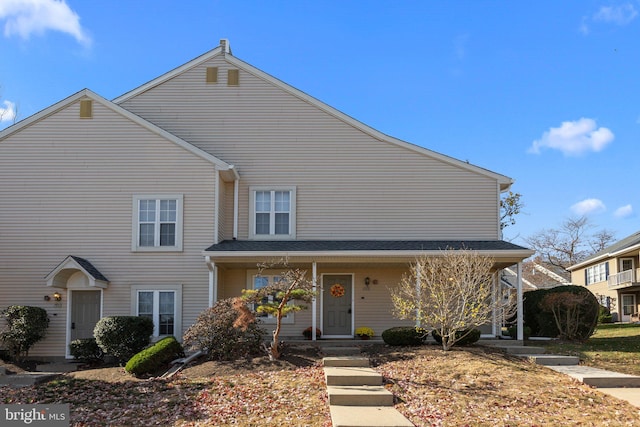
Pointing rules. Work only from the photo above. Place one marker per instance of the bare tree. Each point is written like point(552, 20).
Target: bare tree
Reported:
point(452, 292)
point(570, 243)
point(279, 298)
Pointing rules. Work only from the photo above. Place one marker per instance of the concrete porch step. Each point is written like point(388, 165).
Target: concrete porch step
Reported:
point(359, 396)
point(346, 361)
point(26, 379)
point(341, 376)
point(550, 359)
point(369, 416)
point(341, 351)
point(598, 377)
point(520, 349)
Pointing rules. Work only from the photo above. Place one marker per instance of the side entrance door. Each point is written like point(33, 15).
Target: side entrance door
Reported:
point(337, 312)
point(628, 306)
point(85, 313)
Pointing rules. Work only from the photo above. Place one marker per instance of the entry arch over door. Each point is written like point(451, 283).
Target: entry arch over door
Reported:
point(337, 306)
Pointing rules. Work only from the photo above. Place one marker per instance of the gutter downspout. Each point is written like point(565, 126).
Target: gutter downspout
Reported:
point(520, 314)
point(236, 191)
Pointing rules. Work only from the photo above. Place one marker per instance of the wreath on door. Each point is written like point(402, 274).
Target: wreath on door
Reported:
point(337, 290)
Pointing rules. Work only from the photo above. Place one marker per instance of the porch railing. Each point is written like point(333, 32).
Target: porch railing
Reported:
point(623, 279)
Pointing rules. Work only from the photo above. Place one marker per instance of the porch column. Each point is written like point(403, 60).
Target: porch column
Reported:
point(418, 280)
point(314, 308)
point(494, 302)
point(213, 281)
point(520, 313)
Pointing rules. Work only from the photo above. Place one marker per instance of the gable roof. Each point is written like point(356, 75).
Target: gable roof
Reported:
point(631, 242)
point(224, 50)
point(88, 94)
point(58, 276)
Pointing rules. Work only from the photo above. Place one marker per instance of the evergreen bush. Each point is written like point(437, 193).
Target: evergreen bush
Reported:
point(86, 350)
point(464, 337)
point(153, 358)
point(404, 335)
point(123, 336)
point(26, 326)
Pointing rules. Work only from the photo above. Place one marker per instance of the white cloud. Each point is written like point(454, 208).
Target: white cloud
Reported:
point(588, 206)
point(7, 111)
point(574, 138)
point(623, 211)
point(618, 15)
point(27, 17)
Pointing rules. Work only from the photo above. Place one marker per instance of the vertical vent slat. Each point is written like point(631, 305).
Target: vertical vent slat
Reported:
point(86, 109)
point(233, 77)
point(212, 74)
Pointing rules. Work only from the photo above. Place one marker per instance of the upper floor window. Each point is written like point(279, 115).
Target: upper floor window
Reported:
point(157, 223)
point(597, 273)
point(273, 212)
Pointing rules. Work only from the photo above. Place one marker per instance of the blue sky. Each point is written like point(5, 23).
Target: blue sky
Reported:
point(544, 92)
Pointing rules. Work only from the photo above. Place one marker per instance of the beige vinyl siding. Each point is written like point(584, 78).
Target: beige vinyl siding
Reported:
point(372, 305)
point(66, 188)
point(349, 184)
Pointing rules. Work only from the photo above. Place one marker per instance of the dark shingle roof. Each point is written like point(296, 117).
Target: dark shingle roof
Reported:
point(627, 242)
point(89, 268)
point(360, 245)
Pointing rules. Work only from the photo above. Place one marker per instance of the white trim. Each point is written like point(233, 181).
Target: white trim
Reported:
point(388, 254)
point(177, 289)
point(71, 264)
point(627, 317)
point(314, 302)
point(292, 212)
point(236, 199)
point(633, 264)
point(135, 212)
point(353, 310)
point(520, 304)
point(604, 256)
point(216, 209)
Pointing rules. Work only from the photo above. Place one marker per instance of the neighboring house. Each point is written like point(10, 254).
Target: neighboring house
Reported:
point(543, 275)
point(614, 277)
point(164, 200)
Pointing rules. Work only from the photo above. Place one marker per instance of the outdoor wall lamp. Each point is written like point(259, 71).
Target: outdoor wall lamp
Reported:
point(57, 296)
point(367, 281)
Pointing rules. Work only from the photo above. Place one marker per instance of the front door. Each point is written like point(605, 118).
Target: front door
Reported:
point(85, 313)
point(628, 306)
point(337, 312)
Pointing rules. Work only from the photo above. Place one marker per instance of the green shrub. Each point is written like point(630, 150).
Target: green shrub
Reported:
point(513, 332)
point(604, 315)
point(26, 326)
point(538, 314)
point(153, 358)
point(404, 335)
point(123, 336)
point(215, 334)
point(464, 337)
point(86, 350)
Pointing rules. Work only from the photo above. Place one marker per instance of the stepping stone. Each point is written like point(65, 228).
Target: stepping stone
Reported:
point(346, 361)
point(598, 377)
point(352, 376)
point(550, 359)
point(359, 396)
point(368, 416)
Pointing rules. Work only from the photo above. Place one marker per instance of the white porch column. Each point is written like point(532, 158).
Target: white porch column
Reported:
point(495, 294)
point(520, 314)
point(418, 280)
point(314, 308)
point(213, 281)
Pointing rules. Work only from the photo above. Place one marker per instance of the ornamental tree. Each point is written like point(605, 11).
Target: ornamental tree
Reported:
point(287, 294)
point(449, 293)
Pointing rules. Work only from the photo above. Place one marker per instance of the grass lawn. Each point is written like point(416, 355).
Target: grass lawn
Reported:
point(615, 347)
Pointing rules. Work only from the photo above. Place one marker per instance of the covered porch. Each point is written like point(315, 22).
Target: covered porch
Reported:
point(351, 278)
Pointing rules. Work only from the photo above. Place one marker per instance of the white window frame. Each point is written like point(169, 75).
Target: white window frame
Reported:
point(135, 223)
point(177, 309)
point(596, 273)
point(268, 319)
point(633, 263)
point(252, 213)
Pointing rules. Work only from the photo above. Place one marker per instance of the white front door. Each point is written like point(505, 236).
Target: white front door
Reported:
point(629, 306)
point(337, 300)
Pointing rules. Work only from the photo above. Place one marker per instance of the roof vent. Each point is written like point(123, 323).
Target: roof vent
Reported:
point(86, 109)
point(226, 47)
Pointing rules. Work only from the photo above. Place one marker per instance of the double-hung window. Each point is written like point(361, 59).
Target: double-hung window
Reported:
point(259, 282)
point(273, 213)
point(157, 223)
point(160, 304)
point(597, 273)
